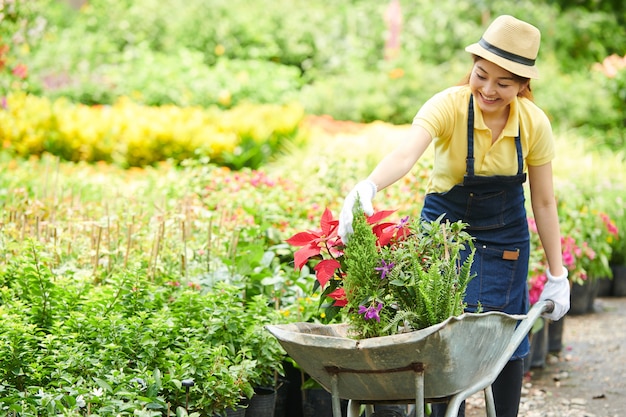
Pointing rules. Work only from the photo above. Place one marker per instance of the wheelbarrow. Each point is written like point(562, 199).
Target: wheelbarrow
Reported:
point(447, 362)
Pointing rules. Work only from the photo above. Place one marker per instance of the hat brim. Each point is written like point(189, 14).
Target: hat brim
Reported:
point(513, 67)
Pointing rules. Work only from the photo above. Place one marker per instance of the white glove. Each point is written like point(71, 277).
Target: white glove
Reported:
point(556, 289)
point(365, 192)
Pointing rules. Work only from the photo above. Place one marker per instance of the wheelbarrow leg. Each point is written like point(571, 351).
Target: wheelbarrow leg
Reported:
point(454, 404)
point(490, 404)
point(419, 394)
point(334, 385)
point(354, 409)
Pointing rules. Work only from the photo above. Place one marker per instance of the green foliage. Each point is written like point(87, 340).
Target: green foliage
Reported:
point(362, 283)
point(134, 257)
point(415, 281)
point(309, 51)
point(391, 91)
point(109, 278)
point(126, 344)
point(19, 27)
point(614, 7)
point(588, 232)
point(616, 87)
point(566, 109)
point(430, 275)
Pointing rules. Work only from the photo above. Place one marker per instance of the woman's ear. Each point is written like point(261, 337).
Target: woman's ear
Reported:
point(523, 87)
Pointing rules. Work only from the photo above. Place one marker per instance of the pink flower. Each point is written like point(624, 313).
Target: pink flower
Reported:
point(610, 226)
point(589, 252)
point(20, 71)
point(537, 283)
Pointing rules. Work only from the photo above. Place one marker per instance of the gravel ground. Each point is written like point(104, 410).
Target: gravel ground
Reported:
point(587, 378)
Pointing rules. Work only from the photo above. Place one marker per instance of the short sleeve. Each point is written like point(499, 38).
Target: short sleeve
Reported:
point(541, 148)
point(438, 114)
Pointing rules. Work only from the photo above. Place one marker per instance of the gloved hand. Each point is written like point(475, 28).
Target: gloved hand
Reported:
point(365, 192)
point(556, 289)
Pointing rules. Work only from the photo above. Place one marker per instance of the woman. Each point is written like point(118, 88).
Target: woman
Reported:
point(488, 136)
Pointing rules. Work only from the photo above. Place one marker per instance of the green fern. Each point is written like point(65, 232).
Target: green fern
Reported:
point(425, 286)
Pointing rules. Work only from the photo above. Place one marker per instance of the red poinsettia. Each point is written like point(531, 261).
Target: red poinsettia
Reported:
point(324, 244)
point(316, 242)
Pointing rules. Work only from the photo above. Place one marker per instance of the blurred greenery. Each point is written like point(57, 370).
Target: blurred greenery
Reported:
point(329, 56)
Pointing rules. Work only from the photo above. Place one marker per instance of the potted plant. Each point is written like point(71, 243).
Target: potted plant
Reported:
point(228, 353)
point(586, 238)
point(618, 246)
point(390, 277)
point(228, 384)
point(266, 353)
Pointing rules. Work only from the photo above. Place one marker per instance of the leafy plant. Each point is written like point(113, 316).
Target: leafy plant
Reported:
point(390, 276)
point(124, 344)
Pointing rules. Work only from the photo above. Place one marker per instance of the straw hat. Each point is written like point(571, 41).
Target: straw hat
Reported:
point(511, 44)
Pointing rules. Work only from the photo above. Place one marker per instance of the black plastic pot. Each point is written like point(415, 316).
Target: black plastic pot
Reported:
point(555, 335)
point(619, 280)
point(605, 287)
point(583, 297)
point(282, 399)
point(289, 392)
point(317, 402)
point(262, 403)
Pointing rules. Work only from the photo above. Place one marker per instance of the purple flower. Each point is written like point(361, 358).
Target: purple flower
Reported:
point(371, 312)
point(385, 268)
point(403, 222)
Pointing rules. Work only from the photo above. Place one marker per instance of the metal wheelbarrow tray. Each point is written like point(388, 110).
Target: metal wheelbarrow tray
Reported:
point(446, 362)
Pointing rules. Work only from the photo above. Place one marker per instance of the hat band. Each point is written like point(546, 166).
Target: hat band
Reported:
point(504, 54)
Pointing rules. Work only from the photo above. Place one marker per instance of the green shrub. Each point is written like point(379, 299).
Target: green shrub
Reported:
point(127, 343)
point(330, 58)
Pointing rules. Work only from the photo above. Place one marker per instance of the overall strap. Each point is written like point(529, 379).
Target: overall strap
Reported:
point(520, 156)
point(469, 160)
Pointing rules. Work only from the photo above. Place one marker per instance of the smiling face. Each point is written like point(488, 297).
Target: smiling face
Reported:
point(493, 87)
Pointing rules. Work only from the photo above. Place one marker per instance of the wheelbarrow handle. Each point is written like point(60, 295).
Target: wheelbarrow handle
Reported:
point(520, 333)
point(526, 325)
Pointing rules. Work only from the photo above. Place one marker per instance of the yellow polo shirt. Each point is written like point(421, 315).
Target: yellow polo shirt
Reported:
point(444, 116)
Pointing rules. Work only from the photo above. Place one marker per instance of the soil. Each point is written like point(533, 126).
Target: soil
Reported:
point(585, 379)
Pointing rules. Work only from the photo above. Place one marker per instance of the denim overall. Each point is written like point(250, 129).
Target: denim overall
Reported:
point(493, 206)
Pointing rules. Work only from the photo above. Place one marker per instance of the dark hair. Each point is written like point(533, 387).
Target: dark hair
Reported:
point(526, 92)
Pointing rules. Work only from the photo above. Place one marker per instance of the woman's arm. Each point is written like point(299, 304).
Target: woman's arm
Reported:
point(400, 161)
point(389, 170)
point(545, 212)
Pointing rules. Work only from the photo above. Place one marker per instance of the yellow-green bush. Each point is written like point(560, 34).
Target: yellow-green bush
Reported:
point(134, 135)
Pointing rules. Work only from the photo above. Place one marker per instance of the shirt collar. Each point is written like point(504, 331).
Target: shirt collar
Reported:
point(512, 125)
